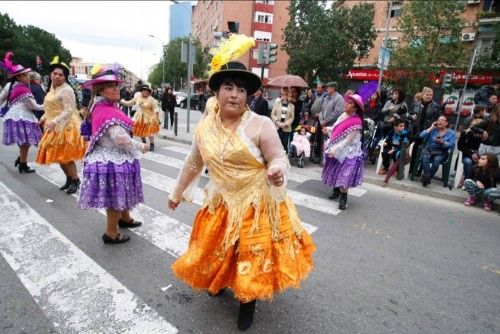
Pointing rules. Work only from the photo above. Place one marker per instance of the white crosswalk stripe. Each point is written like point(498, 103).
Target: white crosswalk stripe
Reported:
point(73, 291)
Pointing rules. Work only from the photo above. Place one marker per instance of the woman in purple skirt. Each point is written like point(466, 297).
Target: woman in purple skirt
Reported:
point(20, 125)
point(344, 163)
point(111, 169)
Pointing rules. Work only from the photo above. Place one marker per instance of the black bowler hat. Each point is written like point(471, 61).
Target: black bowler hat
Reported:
point(146, 87)
point(235, 70)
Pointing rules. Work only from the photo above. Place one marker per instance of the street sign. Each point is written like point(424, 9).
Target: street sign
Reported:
point(188, 50)
point(383, 58)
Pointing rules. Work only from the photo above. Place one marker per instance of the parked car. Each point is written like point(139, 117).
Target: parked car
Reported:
point(181, 100)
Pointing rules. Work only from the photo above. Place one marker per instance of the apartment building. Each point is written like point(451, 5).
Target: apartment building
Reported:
point(262, 19)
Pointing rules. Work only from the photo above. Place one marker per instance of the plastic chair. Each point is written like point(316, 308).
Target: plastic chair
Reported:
point(460, 171)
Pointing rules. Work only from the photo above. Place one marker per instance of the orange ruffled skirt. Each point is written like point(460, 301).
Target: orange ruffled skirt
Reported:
point(61, 146)
point(146, 129)
point(256, 267)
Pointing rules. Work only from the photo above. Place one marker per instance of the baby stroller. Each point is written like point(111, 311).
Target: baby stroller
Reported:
point(369, 136)
point(300, 143)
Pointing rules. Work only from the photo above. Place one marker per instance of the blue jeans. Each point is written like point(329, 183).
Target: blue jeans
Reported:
point(430, 164)
point(468, 163)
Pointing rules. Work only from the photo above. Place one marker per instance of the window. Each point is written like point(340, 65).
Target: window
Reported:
point(263, 17)
point(264, 36)
point(266, 2)
point(486, 47)
point(395, 10)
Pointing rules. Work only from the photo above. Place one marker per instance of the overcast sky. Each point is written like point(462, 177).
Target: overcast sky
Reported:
point(101, 31)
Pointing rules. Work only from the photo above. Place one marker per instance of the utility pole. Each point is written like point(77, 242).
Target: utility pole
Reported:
point(188, 55)
point(461, 99)
point(384, 46)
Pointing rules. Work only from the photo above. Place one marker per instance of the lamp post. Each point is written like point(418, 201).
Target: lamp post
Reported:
point(384, 46)
point(162, 59)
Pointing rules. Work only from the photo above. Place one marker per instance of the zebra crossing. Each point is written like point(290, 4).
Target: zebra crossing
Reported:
point(58, 282)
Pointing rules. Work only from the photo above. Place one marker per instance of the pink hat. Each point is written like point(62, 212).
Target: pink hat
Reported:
point(12, 70)
point(103, 74)
point(357, 99)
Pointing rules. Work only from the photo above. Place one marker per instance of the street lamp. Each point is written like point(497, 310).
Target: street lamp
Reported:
point(162, 59)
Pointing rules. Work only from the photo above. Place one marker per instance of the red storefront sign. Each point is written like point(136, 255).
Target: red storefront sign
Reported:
point(475, 79)
point(357, 74)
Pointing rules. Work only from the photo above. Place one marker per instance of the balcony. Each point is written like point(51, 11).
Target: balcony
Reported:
point(490, 13)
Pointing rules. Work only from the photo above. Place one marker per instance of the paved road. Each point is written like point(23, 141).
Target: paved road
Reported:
point(392, 262)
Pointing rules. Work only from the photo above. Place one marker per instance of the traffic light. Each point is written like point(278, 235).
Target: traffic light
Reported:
point(447, 80)
point(260, 54)
point(271, 52)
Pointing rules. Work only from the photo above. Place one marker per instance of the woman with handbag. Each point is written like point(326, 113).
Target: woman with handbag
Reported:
point(439, 140)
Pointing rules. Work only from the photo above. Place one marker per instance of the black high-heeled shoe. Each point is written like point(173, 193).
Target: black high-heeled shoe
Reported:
point(245, 317)
point(67, 184)
point(24, 168)
point(73, 187)
point(17, 162)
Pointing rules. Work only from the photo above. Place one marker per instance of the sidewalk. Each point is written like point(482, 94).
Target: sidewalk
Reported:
point(435, 189)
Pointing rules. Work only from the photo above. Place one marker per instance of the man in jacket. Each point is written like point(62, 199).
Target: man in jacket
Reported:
point(259, 104)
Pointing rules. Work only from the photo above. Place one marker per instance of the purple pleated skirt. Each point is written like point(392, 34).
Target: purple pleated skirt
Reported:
point(21, 132)
point(111, 186)
point(346, 174)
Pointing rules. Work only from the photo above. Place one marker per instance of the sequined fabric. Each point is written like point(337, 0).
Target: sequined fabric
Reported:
point(346, 174)
point(21, 132)
point(247, 236)
point(110, 185)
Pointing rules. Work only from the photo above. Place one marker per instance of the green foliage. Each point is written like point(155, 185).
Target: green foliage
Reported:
point(491, 62)
point(324, 42)
point(431, 41)
point(175, 70)
point(29, 41)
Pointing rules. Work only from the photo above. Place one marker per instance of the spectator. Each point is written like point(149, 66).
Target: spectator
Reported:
point(306, 106)
point(373, 107)
point(301, 144)
point(394, 108)
point(468, 144)
point(483, 181)
point(333, 106)
point(479, 112)
point(37, 90)
point(484, 93)
point(491, 134)
point(259, 104)
point(439, 140)
point(297, 104)
point(421, 118)
point(392, 148)
point(125, 94)
point(282, 116)
point(492, 102)
point(316, 105)
point(168, 103)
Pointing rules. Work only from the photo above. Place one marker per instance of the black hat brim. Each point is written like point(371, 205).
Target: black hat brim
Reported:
point(250, 80)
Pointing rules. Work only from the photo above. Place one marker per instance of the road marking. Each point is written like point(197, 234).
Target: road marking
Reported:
point(178, 163)
point(73, 291)
point(166, 233)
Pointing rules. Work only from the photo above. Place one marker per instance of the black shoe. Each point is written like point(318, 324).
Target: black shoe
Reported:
point(143, 140)
point(67, 184)
point(24, 168)
point(120, 238)
point(131, 224)
point(17, 162)
point(335, 193)
point(73, 187)
point(151, 147)
point(342, 201)
point(425, 180)
point(245, 317)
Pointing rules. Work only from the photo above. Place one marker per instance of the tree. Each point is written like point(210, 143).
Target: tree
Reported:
point(324, 42)
point(29, 41)
point(430, 42)
point(491, 61)
point(175, 70)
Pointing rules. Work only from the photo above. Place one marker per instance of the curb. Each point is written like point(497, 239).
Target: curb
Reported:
point(416, 190)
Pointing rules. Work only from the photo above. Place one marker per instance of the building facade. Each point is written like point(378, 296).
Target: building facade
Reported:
point(180, 19)
point(80, 71)
point(262, 19)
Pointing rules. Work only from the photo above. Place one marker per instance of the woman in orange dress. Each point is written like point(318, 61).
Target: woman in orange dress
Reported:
point(247, 236)
point(146, 119)
point(61, 142)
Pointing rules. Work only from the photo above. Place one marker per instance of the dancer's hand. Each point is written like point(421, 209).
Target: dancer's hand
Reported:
point(275, 177)
point(172, 205)
point(49, 126)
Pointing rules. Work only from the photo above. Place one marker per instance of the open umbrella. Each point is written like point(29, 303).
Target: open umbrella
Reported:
point(288, 80)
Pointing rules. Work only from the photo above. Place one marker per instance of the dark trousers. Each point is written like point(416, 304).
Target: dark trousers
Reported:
point(285, 138)
point(386, 159)
point(318, 140)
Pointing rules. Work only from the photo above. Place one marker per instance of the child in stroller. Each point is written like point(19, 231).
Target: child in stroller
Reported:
point(300, 147)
